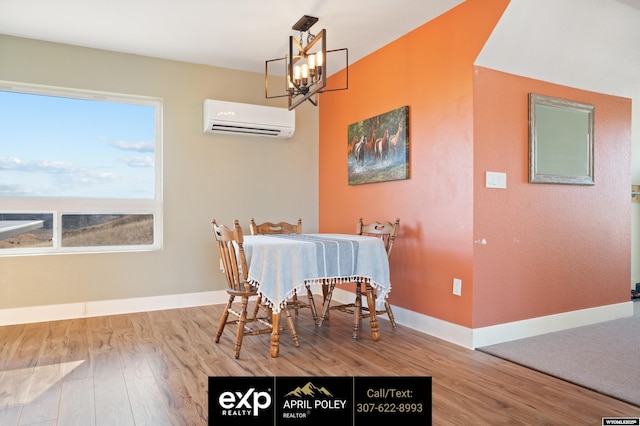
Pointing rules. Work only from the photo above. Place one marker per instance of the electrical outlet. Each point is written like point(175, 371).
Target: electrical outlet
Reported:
point(457, 286)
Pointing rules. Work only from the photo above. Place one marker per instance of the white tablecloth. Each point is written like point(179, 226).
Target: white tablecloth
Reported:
point(282, 264)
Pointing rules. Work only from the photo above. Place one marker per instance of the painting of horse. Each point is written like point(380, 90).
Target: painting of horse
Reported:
point(378, 148)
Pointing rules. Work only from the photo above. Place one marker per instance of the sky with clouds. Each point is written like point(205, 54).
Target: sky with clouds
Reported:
point(55, 146)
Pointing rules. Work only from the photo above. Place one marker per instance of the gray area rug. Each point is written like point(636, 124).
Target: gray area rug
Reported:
point(603, 357)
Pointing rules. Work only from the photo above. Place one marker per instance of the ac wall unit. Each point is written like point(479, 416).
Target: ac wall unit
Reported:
point(248, 119)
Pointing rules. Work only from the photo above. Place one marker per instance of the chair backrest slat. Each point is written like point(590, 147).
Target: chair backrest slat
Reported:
point(276, 228)
point(234, 262)
point(386, 230)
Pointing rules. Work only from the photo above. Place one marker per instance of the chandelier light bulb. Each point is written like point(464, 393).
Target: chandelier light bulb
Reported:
point(296, 73)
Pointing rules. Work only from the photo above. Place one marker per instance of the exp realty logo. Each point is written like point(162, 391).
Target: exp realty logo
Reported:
point(241, 401)
point(304, 401)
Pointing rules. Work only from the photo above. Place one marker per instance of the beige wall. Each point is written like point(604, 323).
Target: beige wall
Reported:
point(266, 178)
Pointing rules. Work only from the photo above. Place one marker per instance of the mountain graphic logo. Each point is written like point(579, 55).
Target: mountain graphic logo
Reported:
point(309, 390)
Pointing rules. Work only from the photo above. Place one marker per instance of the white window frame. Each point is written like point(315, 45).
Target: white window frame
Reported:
point(59, 206)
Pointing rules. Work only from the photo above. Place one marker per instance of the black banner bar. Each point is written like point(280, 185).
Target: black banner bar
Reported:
point(322, 401)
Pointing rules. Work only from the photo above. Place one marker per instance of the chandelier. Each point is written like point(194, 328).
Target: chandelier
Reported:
point(305, 66)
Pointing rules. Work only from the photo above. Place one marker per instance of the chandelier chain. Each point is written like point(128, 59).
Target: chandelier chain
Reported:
point(310, 38)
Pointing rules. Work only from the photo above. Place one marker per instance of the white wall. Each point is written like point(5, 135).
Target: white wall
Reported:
point(205, 176)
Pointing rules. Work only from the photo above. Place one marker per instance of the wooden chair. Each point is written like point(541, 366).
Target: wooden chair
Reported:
point(234, 264)
point(388, 232)
point(268, 228)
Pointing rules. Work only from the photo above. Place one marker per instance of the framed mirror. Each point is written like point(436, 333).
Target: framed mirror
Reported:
point(560, 141)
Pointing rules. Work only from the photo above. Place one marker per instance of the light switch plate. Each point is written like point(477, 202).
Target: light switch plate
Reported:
point(496, 180)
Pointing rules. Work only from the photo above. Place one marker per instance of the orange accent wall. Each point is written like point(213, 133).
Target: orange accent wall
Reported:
point(550, 248)
point(456, 133)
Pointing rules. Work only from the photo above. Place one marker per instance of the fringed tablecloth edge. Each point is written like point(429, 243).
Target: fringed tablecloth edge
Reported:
point(382, 293)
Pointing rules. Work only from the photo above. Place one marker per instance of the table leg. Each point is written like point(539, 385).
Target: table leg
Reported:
point(371, 303)
point(275, 334)
point(357, 310)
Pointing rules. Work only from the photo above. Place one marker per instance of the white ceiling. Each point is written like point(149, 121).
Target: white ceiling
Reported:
point(589, 44)
point(238, 34)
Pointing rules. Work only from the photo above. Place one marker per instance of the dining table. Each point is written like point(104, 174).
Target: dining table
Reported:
point(282, 264)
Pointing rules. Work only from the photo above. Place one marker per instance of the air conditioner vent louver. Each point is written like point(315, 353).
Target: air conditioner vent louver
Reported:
point(247, 119)
point(244, 130)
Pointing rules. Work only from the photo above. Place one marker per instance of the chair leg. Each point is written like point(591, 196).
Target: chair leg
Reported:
point(291, 326)
point(241, 323)
point(223, 319)
point(312, 304)
point(294, 299)
point(387, 308)
point(327, 301)
point(257, 307)
point(325, 291)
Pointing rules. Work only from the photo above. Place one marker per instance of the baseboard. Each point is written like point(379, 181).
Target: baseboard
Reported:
point(97, 308)
point(485, 336)
point(454, 333)
point(507, 332)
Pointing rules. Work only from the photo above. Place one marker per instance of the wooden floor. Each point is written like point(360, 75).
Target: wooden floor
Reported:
point(151, 368)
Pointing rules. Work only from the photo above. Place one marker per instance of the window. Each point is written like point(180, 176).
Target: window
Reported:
point(79, 171)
